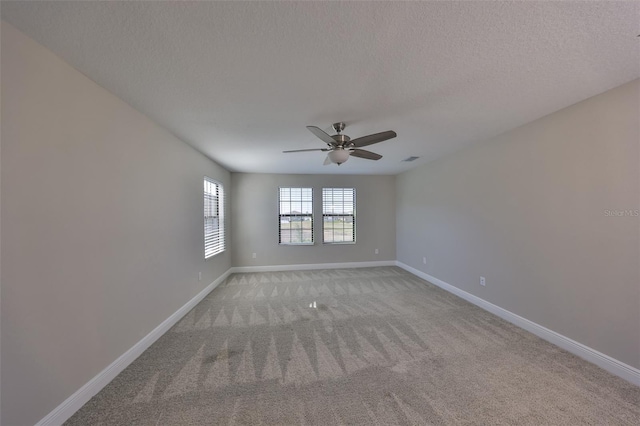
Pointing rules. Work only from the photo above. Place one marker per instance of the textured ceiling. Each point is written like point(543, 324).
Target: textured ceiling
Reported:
point(240, 81)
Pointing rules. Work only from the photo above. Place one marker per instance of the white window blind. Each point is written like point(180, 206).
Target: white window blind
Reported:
point(339, 215)
point(295, 219)
point(213, 217)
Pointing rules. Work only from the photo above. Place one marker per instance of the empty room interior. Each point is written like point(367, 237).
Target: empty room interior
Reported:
point(320, 213)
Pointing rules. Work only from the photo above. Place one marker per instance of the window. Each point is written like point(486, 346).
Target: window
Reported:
point(213, 218)
point(339, 215)
point(296, 216)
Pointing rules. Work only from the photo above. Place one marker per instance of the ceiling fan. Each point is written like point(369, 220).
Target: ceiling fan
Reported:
point(340, 146)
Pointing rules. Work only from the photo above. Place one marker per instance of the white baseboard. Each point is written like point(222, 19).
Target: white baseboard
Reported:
point(308, 266)
point(72, 404)
point(612, 365)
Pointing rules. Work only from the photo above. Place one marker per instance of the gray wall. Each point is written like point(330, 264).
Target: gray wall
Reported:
point(255, 219)
point(102, 228)
point(528, 210)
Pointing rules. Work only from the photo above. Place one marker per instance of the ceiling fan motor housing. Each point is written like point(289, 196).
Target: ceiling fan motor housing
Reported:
point(341, 140)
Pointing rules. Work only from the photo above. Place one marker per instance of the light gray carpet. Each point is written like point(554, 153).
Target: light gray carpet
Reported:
point(354, 346)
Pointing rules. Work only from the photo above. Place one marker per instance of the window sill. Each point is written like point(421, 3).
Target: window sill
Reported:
point(296, 244)
point(339, 243)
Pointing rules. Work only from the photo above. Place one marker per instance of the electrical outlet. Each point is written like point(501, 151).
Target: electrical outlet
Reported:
point(254, 255)
point(377, 251)
point(482, 281)
point(424, 260)
point(199, 276)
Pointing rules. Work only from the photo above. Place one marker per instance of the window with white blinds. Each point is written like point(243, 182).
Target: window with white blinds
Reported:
point(295, 219)
point(213, 217)
point(338, 215)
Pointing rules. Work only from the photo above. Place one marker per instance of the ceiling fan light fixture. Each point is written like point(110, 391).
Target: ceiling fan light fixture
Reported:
point(338, 156)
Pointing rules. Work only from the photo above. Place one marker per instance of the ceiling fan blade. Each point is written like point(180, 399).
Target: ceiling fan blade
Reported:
point(365, 154)
point(321, 134)
point(371, 139)
point(304, 150)
point(327, 161)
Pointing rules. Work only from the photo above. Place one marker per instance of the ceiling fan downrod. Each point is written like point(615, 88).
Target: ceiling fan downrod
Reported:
point(341, 140)
point(339, 127)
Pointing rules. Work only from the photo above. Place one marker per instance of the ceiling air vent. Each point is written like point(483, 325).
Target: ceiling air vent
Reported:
point(408, 159)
